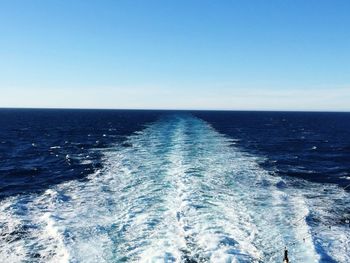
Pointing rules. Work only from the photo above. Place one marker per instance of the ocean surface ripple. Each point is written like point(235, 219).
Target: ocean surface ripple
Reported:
point(177, 191)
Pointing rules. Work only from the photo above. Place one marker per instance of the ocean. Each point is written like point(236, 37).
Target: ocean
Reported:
point(174, 186)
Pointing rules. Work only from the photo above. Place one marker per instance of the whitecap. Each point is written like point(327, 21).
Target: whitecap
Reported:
point(181, 192)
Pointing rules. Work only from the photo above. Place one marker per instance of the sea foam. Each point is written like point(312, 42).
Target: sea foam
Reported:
point(180, 192)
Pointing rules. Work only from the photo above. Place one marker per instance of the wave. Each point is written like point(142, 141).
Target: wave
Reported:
point(179, 192)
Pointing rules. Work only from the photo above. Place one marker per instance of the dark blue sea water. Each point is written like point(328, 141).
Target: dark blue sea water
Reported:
point(310, 145)
point(39, 148)
point(167, 186)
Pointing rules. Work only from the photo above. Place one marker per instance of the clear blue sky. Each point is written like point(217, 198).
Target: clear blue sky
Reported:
point(205, 54)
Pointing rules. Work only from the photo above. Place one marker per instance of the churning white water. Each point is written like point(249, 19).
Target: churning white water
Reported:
point(179, 192)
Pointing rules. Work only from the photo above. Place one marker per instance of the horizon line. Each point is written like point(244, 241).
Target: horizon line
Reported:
point(172, 109)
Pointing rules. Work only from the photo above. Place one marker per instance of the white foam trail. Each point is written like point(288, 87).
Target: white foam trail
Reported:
point(180, 193)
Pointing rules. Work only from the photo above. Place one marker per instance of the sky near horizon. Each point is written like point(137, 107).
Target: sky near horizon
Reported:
point(184, 54)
